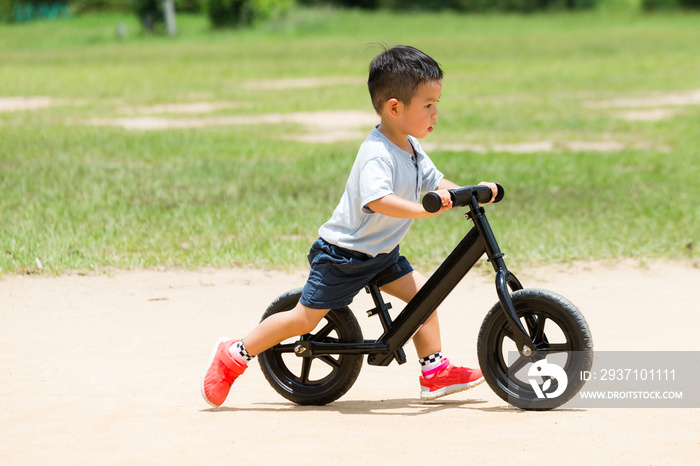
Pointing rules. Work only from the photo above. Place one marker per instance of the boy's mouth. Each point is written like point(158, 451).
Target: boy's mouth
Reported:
point(430, 129)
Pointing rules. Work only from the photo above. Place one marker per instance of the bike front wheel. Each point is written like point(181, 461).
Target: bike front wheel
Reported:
point(551, 375)
point(315, 380)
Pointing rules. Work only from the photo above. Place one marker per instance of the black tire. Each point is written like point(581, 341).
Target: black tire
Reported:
point(559, 332)
point(313, 380)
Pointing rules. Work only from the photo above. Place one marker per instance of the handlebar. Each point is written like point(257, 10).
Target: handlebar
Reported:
point(462, 196)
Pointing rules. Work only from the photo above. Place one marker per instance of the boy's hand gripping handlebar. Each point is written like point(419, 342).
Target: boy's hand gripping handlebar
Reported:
point(462, 196)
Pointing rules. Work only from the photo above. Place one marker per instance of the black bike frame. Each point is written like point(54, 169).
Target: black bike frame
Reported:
point(478, 241)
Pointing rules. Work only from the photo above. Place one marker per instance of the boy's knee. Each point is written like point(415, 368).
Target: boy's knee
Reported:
point(305, 319)
point(305, 326)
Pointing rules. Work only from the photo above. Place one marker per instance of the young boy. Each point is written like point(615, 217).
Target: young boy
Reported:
point(362, 237)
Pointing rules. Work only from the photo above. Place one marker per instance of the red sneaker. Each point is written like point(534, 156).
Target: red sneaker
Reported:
point(451, 379)
point(222, 371)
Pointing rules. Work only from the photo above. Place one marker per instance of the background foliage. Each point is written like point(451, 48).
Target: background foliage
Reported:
point(223, 13)
point(236, 13)
point(76, 196)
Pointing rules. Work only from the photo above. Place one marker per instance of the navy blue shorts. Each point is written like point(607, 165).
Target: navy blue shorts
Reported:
point(338, 274)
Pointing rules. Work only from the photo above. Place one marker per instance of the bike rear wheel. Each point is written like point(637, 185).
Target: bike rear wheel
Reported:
point(313, 380)
point(559, 334)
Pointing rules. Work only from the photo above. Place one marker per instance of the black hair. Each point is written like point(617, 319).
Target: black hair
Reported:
point(397, 72)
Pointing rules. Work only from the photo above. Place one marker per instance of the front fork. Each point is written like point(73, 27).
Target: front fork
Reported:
point(504, 278)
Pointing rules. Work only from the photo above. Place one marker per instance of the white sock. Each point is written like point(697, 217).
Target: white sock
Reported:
point(239, 353)
point(429, 364)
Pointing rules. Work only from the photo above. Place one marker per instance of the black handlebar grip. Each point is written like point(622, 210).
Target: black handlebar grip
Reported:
point(501, 193)
point(432, 202)
point(484, 194)
point(461, 197)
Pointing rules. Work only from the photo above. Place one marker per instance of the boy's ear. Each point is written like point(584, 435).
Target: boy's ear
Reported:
point(393, 107)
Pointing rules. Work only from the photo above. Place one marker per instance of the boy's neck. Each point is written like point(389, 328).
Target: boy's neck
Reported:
point(399, 138)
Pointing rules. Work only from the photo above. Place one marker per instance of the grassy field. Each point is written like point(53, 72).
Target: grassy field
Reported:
point(590, 121)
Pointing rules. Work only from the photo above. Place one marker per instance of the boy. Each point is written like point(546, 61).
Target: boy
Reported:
point(361, 239)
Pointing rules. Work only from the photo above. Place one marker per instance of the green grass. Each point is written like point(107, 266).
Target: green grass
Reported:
point(80, 197)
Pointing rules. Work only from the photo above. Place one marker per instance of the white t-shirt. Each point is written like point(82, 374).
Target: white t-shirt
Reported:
point(380, 169)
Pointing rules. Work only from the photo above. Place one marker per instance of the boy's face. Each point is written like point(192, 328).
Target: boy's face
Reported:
point(419, 118)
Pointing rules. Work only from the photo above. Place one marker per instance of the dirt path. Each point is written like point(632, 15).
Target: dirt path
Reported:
point(105, 370)
point(353, 125)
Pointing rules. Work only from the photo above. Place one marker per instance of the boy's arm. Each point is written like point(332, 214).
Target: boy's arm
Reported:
point(395, 206)
point(447, 184)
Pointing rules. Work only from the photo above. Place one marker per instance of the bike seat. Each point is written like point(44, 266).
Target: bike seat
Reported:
point(384, 274)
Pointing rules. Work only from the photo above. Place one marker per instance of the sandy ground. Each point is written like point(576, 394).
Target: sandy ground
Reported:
point(105, 370)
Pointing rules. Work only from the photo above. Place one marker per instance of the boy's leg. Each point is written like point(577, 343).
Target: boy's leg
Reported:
point(278, 327)
point(427, 339)
point(439, 377)
point(226, 363)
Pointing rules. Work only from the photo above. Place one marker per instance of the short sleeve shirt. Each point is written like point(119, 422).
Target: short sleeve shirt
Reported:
point(381, 168)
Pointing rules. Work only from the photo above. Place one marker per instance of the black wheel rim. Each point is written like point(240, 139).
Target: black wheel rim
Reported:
point(316, 375)
point(304, 374)
point(552, 336)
